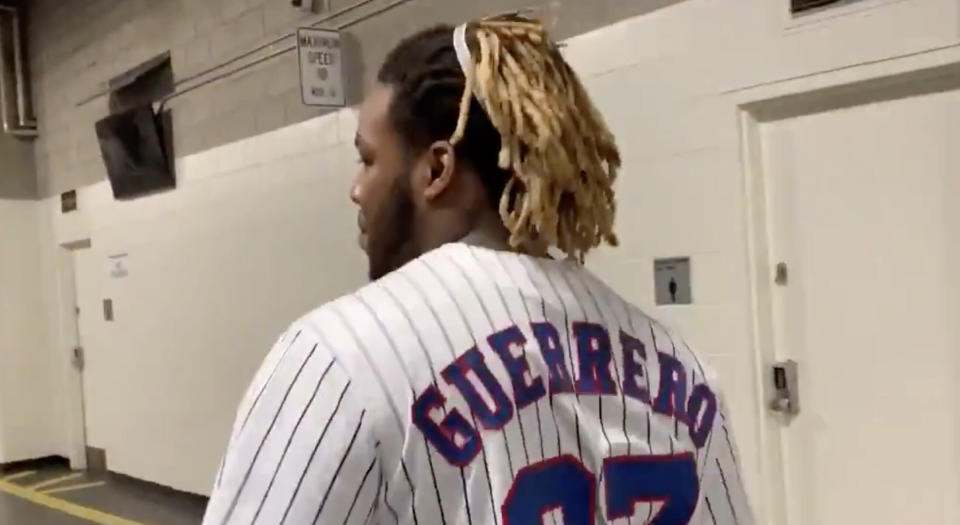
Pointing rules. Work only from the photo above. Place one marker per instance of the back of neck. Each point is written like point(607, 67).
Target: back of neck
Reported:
point(488, 232)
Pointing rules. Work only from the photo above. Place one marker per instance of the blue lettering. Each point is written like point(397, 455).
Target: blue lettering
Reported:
point(593, 349)
point(456, 374)
point(444, 436)
point(459, 440)
point(526, 390)
point(672, 397)
point(701, 411)
point(635, 382)
point(552, 352)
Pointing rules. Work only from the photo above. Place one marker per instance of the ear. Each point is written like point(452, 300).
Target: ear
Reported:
point(441, 160)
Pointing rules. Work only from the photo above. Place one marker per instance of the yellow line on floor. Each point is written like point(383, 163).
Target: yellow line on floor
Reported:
point(63, 506)
point(74, 487)
point(19, 475)
point(54, 481)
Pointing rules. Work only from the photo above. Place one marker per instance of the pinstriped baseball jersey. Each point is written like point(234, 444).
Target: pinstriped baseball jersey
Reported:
point(481, 387)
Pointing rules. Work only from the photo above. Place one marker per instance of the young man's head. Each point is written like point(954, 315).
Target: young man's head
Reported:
point(502, 140)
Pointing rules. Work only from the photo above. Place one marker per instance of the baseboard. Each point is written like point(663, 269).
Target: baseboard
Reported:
point(96, 460)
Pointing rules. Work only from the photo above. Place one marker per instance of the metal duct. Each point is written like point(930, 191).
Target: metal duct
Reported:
point(15, 105)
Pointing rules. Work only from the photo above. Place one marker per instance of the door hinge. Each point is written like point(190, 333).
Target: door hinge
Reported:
point(78, 358)
point(780, 274)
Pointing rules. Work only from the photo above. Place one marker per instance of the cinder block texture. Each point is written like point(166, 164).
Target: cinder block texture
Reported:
point(76, 46)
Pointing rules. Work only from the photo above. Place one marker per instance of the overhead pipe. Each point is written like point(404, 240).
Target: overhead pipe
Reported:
point(23, 125)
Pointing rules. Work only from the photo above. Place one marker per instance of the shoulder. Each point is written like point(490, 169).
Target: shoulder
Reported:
point(374, 333)
point(660, 336)
point(304, 403)
point(390, 333)
point(366, 322)
point(384, 306)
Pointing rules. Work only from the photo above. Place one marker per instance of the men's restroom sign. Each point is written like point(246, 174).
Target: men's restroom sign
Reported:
point(118, 266)
point(321, 67)
point(672, 281)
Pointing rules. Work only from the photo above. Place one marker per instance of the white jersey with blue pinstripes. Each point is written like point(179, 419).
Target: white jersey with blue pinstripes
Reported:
point(481, 387)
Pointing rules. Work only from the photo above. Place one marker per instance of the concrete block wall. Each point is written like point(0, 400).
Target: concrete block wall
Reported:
point(76, 46)
point(670, 82)
point(18, 179)
point(90, 42)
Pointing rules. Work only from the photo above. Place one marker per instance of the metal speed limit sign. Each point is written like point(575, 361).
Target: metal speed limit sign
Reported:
point(321, 67)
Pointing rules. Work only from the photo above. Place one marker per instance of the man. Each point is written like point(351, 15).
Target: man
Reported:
point(477, 379)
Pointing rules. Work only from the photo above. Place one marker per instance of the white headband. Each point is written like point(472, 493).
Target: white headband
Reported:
point(463, 50)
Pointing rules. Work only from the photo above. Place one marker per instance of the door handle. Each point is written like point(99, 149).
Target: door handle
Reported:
point(786, 385)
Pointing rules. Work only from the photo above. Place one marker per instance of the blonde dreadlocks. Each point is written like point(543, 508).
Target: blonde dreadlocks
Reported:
point(562, 157)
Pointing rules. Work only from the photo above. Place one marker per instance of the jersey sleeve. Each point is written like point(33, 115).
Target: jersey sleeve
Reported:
point(723, 497)
point(302, 449)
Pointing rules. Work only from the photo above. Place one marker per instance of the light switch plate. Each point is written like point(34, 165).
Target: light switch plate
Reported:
point(108, 309)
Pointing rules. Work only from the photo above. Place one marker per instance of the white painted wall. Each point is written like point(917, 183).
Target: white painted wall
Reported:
point(670, 85)
point(257, 233)
point(260, 231)
point(29, 390)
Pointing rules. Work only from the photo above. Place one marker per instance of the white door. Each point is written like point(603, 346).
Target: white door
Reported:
point(863, 210)
point(71, 354)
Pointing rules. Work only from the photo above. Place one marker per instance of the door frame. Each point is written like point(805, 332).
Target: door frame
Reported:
point(929, 72)
point(68, 338)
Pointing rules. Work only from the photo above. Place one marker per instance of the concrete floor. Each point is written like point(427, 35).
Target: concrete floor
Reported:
point(118, 496)
point(14, 510)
